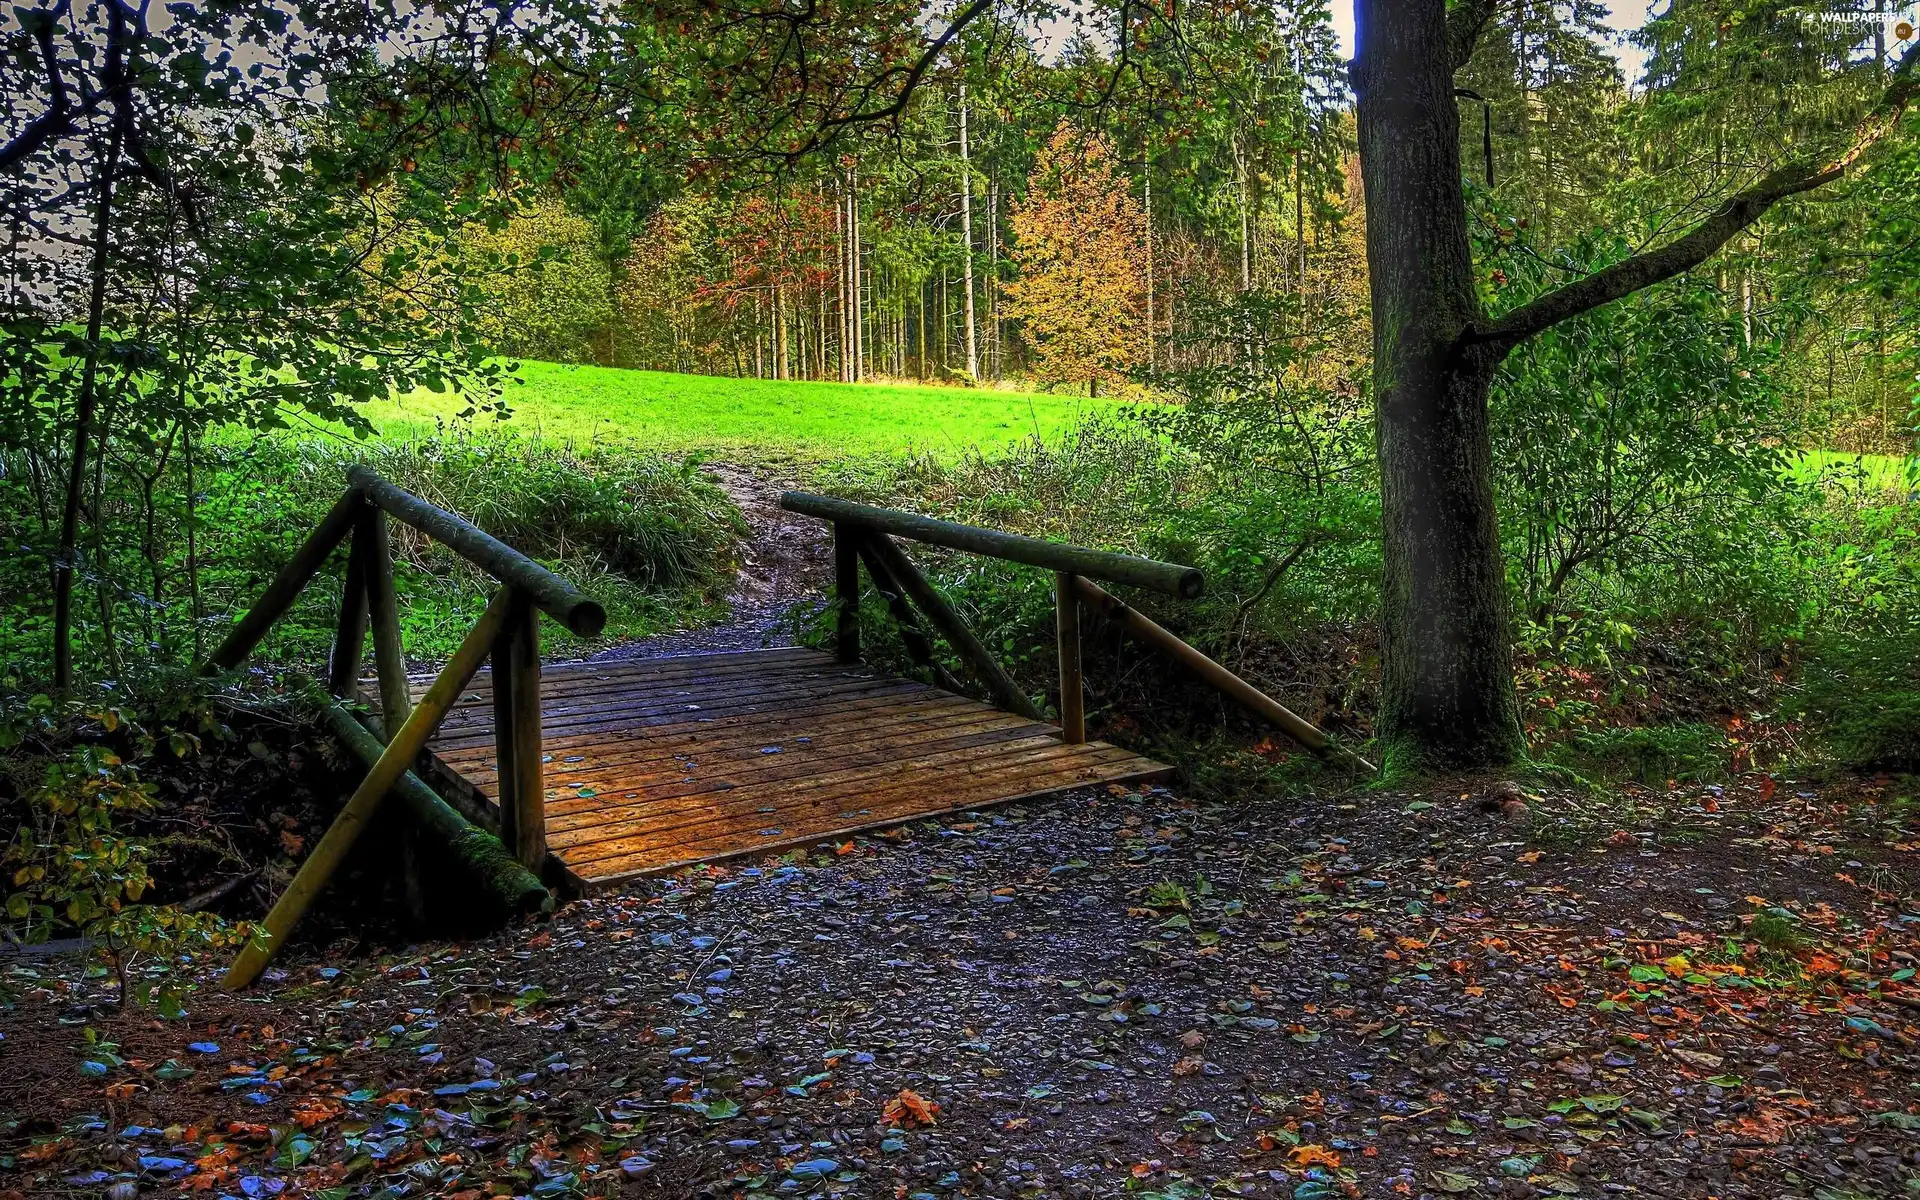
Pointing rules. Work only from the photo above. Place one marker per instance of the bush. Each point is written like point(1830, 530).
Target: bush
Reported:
point(1643, 464)
point(651, 537)
point(1861, 693)
point(74, 865)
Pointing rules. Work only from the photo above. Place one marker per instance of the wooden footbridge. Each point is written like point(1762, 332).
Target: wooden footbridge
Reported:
point(582, 775)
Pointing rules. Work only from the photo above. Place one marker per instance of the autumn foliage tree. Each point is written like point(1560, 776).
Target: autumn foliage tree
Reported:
point(781, 256)
point(1080, 245)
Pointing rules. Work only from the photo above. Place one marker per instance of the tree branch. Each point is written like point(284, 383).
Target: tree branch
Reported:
point(911, 76)
point(1464, 26)
point(61, 116)
point(1688, 251)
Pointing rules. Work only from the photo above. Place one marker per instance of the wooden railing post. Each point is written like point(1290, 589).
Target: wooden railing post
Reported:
point(516, 734)
point(846, 591)
point(396, 701)
point(350, 636)
point(1073, 701)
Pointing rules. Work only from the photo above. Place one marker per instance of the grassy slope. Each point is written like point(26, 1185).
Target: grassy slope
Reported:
point(662, 411)
point(1880, 471)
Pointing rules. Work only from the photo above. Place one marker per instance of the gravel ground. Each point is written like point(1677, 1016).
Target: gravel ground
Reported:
point(1460, 991)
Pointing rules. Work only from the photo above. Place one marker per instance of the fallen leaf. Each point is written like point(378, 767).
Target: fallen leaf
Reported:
point(911, 1108)
point(1309, 1154)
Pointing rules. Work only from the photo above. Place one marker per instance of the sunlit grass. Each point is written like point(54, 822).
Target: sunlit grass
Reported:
point(658, 410)
point(1876, 471)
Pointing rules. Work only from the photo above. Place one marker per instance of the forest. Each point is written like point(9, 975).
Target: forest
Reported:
point(1285, 598)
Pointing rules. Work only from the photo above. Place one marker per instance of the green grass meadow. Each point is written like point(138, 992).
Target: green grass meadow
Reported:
point(815, 422)
point(656, 410)
point(1876, 472)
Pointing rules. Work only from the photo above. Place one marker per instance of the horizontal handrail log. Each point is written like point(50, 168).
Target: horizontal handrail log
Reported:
point(1130, 569)
point(554, 595)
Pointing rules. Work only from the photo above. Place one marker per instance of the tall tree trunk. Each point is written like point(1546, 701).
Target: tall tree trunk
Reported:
point(83, 419)
point(1246, 217)
point(997, 335)
point(859, 300)
point(966, 238)
point(1146, 171)
point(844, 229)
point(196, 606)
point(1447, 692)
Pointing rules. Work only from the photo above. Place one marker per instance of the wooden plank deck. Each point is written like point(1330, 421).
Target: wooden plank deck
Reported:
point(652, 764)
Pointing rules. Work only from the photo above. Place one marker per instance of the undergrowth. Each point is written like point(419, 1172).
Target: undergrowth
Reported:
point(651, 537)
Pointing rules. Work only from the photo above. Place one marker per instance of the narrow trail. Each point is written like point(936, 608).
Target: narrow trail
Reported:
point(786, 558)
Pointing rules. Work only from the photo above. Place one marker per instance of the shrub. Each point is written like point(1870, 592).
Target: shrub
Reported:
point(73, 866)
point(649, 536)
point(1643, 463)
point(1861, 692)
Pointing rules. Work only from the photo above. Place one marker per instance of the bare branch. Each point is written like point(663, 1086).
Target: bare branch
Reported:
point(909, 77)
point(61, 115)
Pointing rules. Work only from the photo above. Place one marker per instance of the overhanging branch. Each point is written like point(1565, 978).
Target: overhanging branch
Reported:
point(61, 115)
point(909, 77)
point(1464, 25)
point(1649, 267)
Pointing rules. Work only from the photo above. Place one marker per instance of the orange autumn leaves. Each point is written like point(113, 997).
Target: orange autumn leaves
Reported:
point(910, 1108)
point(1309, 1155)
point(1080, 241)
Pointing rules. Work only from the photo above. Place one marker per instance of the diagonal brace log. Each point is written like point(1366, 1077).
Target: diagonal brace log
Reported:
point(502, 882)
point(394, 762)
point(1237, 689)
point(919, 647)
point(287, 585)
point(1000, 686)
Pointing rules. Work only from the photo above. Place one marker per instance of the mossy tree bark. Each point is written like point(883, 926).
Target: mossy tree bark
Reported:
point(1447, 695)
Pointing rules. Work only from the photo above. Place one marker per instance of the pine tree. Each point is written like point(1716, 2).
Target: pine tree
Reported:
point(1079, 243)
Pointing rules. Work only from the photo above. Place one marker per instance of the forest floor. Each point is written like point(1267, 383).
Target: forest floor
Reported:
point(1456, 987)
point(753, 418)
point(1379, 993)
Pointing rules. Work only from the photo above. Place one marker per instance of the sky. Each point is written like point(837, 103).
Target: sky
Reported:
point(1622, 15)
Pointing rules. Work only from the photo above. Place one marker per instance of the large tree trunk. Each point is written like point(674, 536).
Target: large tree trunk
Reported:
point(1447, 692)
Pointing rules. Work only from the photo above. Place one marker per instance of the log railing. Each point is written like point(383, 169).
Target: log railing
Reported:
point(865, 534)
point(507, 633)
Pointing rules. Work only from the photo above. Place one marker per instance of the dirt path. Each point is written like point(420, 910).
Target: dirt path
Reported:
point(786, 558)
point(1380, 994)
